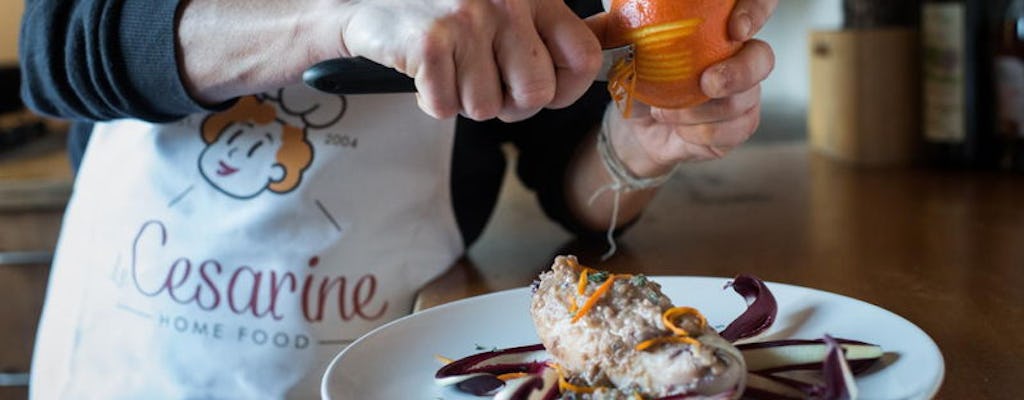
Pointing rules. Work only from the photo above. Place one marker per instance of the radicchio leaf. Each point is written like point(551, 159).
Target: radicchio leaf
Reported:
point(761, 309)
point(480, 385)
point(767, 387)
point(540, 386)
point(686, 396)
point(802, 354)
point(839, 383)
point(477, 374)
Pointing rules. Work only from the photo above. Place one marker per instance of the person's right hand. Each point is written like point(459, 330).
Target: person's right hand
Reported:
point(479, 58)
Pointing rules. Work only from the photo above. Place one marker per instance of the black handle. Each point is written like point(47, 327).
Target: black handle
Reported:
point(356, 75)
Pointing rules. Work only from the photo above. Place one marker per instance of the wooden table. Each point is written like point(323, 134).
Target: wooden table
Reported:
point(943, 249)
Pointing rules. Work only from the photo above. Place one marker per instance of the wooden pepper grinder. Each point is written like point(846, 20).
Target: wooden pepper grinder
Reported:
point(865, 88)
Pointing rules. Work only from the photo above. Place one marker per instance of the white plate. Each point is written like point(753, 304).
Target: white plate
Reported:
point(397, 360)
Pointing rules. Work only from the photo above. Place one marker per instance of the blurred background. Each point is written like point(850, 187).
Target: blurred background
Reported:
point(787, 90)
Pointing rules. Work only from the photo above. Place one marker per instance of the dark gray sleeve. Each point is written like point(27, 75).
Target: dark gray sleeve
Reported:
point(102, 59)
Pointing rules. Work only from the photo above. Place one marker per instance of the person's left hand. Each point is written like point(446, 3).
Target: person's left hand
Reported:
point(653, 140)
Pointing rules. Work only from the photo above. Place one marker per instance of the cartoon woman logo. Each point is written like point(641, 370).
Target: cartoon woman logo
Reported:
point(251, 148)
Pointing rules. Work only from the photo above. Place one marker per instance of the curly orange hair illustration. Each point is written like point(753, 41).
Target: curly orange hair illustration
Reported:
point(295, 153)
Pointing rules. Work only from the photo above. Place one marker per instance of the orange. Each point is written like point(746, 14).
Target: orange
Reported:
point(675, 41)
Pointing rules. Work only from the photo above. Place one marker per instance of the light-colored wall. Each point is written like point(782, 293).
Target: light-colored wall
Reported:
point(787, 33)
point(10, 19)
point(786, 92)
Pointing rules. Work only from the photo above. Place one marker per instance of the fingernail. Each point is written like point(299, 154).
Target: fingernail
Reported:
point(716, 81)
point(744, 26)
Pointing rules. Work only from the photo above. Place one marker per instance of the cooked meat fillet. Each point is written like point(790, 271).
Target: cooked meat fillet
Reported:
point(600, 348)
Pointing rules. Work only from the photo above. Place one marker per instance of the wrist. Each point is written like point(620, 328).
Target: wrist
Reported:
point(623, 178)
point(234, 48)
point(628, 149)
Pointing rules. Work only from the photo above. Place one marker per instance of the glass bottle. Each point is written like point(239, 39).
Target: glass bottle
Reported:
point(957, 101)
point(1009, 68)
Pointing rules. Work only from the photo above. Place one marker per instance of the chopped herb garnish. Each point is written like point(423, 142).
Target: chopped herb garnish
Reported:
point(638, 280)
point(482, 348)
point(598, 277)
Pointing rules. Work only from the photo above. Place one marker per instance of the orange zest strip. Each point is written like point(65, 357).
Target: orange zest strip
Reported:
point(675, 29)
point(512, 375)
point(680, 335)
point(646, 344)
point(581, 285)
point(444, 360)
point(572, 263)
point(657, 58)
point(622, 84)
point(564, 384)
point(572, 304)
point(670, 316)
point(592, 300)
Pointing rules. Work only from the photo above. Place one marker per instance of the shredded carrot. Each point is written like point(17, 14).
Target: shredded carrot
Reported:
point(512, 375)
point(443, 359)
point(572, 304)
point(592, 300)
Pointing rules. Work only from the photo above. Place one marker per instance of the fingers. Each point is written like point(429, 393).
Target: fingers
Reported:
point(526, 67)
point(575, 51)
point(702, 133)
point(726, 125)
point(506, 59)
point(712, 141)
point(478, 78)
point(715, 110)
point(747, 68)
point(436, 81)
point(749, 16)
point(598, 24)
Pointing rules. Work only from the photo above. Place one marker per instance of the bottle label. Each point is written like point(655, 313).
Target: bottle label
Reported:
point(943, 31)
point(1010, 78)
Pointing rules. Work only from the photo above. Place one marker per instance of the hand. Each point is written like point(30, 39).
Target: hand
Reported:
point(480, 58)
point(662, 138)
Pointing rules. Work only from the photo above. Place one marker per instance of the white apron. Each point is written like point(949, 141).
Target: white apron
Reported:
point(233, 255)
